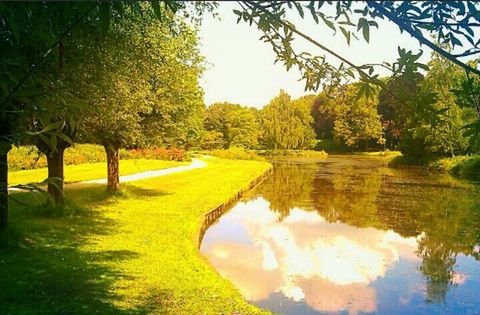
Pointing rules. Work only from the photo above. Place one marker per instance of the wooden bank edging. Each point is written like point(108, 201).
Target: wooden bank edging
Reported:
point(217, 212)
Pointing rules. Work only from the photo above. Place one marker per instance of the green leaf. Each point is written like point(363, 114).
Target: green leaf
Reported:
point(104, 16)
point(49, 127)
point(5, 147)
point(346, 34)
point(65, 138)
point(363, 24)
point(156, 8)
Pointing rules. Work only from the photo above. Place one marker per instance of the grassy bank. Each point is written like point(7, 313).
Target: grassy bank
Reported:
point(467, 167)
point(129, 254)
point(88, 171)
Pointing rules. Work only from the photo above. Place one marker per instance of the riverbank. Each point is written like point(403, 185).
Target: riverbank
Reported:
point(128, 254)
point(467, 167)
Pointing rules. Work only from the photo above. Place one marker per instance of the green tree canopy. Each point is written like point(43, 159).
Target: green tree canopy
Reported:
point(287, 124)
point(237, 124)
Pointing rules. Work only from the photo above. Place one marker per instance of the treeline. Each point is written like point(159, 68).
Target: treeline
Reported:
point(282, 124)
point(423, 114)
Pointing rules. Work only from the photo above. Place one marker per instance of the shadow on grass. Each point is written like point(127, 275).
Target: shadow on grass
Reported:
point(43, 269)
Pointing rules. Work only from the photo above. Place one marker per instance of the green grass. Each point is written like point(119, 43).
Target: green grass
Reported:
point(82, 172)
point(133, 253)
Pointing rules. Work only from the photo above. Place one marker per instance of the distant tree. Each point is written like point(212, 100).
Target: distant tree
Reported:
point(237, 124)
point(357, 121)
point(394, 112)
point(287, 124)
point(323, 114)
point(212, 139)
point(173, 67)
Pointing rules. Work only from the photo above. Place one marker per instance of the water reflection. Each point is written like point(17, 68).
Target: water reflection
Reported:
point(349, 235)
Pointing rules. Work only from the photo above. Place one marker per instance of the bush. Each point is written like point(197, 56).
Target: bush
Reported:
point(468, 168)
point(462, 166)
point(331, 146)
point(154, 154)
point(28, 157)
point(295, 153)
point(235, 154)
point(25, 158)
point(212, 140)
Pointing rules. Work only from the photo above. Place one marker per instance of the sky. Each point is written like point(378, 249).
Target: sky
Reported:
point(241, 67)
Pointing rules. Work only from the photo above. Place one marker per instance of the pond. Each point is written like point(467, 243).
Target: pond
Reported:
point(348, 235)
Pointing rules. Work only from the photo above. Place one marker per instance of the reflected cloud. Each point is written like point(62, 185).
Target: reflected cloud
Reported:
point(329, 266)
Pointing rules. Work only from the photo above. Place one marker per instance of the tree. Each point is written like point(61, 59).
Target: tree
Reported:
point(134, 92)
point(238, 125)
point(212, 140)
point(287, 124)
point(446, 138)
point(356, 119)
point(323, 115)
point(435, 126)
point(394, 112)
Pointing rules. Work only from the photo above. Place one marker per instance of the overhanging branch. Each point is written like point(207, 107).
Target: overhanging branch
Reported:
point(404, 26)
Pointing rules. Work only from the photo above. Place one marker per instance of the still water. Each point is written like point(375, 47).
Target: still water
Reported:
point(347, 235)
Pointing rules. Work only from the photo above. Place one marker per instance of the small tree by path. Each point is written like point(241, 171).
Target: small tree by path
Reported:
point(140, 96)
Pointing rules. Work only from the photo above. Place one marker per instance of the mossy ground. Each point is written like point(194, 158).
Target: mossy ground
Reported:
point(131, 253)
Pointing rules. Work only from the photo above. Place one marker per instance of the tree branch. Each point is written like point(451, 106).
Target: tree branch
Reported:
point(44, 56)
point(420, 37)
point(316, 43)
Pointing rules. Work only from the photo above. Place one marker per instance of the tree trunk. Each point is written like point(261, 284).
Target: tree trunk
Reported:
point(56, 175)
point(113, 184)
point(3, 191)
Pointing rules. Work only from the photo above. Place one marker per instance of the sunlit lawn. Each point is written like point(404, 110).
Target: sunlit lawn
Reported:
point(82, 172)
point(127, 254)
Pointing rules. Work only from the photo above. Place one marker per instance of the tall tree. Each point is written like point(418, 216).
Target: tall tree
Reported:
point(237, 124)
point(137, 96)
point(394, 112)
point(323, 114)
point(357, 121)
point(434, 125)
point(287, 124)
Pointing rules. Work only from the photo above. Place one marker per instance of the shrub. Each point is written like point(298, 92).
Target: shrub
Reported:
point(212, 140)
point(295, 153)
point(331, 146)
point(25, 158)
point(154, 154)
point(235, 154)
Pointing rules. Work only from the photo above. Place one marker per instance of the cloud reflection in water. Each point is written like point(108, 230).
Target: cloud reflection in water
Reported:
point(328, 266)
